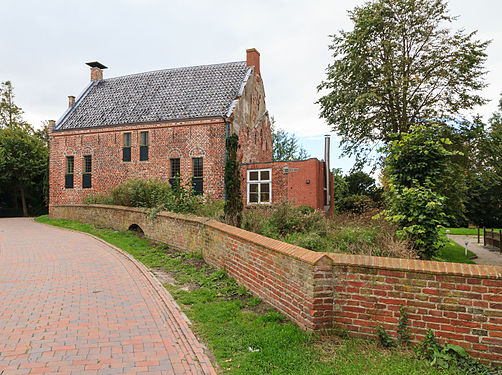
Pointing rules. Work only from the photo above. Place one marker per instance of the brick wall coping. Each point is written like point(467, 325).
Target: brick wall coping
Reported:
point(314, 258)
point(416, 265)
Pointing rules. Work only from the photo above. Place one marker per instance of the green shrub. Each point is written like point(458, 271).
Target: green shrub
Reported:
point(357, 204)
point(289, 219)
point(98, 198)
point(312, 241)
point(154, 194)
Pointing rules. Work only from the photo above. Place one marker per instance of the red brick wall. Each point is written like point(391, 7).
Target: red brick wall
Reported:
point(166, 140)
point(461, 303)
point(292, 186)
point(318, 291)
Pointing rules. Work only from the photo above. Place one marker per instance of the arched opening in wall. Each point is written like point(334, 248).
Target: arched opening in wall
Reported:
point(136, 229)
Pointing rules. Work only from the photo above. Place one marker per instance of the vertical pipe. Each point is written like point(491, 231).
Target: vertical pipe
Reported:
point(327, 170)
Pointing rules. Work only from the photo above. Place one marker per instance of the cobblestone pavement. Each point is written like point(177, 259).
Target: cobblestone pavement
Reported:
point(70, 303)
point(485, 255)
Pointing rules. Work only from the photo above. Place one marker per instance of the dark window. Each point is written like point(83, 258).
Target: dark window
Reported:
point(68, 180)
point(86, 175)
point(175, 173)
point(175, 167)
point(143, 148)
point(197, 167)
point(126, 149)
point(198, 174)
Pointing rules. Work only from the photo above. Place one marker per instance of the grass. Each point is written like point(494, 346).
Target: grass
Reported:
point(245, 335)
point(453, 252)
point(465, 231)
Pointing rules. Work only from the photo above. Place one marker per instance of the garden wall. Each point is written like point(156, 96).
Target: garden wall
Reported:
point(318, 291)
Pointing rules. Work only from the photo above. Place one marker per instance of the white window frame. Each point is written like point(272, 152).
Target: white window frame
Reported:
point(259, 182)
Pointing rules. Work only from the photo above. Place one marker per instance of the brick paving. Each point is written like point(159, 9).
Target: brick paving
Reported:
point(70, 303)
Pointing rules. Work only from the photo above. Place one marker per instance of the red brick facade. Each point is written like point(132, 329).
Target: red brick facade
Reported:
point(300, 183)
point(319, 291)
point(184, 140)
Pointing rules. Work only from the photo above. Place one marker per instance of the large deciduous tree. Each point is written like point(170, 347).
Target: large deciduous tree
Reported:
point(24, 156)
point(401, 64)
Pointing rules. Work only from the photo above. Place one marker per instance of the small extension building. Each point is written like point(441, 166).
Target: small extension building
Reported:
point(170, 123)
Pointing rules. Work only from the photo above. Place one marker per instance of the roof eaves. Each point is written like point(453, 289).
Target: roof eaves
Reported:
point(69, 109)
point(241, 91)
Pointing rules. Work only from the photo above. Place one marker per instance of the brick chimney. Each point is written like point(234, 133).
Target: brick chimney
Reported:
point(253, 59)
point(50, 125)
point(96, 70)
point(71, 100)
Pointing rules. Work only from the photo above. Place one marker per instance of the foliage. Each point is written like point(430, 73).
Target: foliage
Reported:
point(23, 168)
point(384, 337)
point(417, 167)
point(484, 184)
point(24, 160)
point(400, 64)
point(286, 146)
point(340, 187)
point(233, 197)
point(345, 233)
point(403, 332)
point(357, 204)
point(10, 113)
point(451, 356)
point(356, 192)
point(151, 193)
point(361, 183)
point(230, 321)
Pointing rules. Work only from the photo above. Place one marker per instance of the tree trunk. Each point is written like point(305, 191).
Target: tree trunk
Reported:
point(23, 201)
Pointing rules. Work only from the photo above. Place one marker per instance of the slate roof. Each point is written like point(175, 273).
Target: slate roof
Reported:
point(163, 95)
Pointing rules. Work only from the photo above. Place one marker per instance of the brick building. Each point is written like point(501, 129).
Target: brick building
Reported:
point(162, 124)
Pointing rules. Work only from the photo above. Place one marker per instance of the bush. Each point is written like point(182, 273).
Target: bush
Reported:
point(151, 194)
point(357, 204)
point(98, 198)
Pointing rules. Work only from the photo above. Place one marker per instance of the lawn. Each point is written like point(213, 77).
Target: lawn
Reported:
point(245, 334)
point(466, 231)
point(453, 252)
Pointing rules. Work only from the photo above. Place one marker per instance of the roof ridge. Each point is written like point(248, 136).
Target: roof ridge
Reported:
point(172, 69)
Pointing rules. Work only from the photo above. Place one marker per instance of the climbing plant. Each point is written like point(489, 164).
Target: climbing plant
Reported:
point(233, 202)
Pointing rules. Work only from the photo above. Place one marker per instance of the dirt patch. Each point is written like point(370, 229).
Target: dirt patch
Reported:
point(163, 276)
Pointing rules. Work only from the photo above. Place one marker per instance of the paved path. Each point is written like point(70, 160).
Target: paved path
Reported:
point(70, 303)
point(485, 255)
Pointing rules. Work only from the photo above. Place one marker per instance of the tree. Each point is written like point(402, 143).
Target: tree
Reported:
point(24, 157)
point(417, 169)
point(484, 180)
point(400, 65)
point(10, 114)
point(24, 166)
point(285, 145)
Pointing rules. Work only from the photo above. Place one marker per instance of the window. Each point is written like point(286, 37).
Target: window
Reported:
point(143, 146)
point(86, 175)
point(175, 172)
point(126, 149)
point(259, 186)
point(198, 176)
point(68, 177)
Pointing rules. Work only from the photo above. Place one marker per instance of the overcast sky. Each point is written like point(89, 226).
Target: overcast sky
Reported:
point(46, 43)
